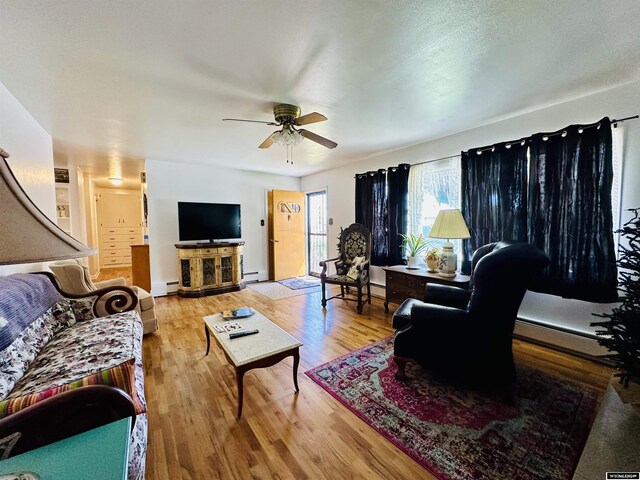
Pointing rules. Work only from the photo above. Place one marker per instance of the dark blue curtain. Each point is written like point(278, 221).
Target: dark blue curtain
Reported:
point(381, 206)
point(398, 210)
point(371, 211)
point(494, 196)
point(570, 213)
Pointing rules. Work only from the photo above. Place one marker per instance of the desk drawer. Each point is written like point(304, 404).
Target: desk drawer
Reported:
point(410, 286)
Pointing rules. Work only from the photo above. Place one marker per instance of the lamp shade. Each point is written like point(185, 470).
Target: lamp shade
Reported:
point(449, 224)
point(28, 235)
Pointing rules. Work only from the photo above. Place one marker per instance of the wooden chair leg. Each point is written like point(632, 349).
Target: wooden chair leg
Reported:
point(324, 295)
point(342, 290)
point(401, 363)
point(360, 299)
point(369, 291)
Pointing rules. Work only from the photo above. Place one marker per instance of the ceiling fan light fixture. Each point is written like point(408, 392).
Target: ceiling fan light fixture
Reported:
point(288, 117)
point(287, 137)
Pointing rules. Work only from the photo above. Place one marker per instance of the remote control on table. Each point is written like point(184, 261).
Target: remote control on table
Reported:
point(242, 333)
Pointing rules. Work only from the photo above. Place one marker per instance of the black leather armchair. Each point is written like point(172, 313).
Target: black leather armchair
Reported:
point(468, 333)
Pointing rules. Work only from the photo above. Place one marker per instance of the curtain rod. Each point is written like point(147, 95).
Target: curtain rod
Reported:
point(413, 164)
point(523, 140)
point(614, 122)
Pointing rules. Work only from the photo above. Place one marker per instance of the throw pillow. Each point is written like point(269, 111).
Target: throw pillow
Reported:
point(353, 271)
point(63, 315)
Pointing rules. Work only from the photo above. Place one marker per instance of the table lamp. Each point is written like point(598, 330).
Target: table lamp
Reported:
point(28, 235)
point(449, 224)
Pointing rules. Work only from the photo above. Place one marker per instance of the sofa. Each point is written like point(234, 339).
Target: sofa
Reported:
point(52, 342)
point(74, 277)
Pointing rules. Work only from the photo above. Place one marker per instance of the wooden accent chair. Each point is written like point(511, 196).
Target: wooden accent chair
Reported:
point(352, 265)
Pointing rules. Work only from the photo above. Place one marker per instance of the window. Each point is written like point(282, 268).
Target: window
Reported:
point(433, 186)
point(317, 230)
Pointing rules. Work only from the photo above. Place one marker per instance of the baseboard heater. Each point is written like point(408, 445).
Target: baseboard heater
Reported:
point(568, 340)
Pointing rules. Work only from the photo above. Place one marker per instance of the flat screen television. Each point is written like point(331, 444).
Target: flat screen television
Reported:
point(208, 221)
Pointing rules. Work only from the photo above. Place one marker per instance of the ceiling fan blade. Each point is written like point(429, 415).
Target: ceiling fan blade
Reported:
point(325, 142)
point(252, 121)
point(268, 142)
point(310, 118)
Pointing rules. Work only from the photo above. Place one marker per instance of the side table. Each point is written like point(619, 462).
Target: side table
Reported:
point(402, 283)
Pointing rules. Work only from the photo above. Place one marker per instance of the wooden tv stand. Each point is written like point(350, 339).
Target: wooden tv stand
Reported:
point(209, 268)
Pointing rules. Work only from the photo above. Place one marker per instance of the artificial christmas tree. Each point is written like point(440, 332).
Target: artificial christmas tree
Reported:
point(620, 333)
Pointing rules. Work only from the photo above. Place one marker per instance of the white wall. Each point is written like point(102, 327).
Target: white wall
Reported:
point(91, 221)
point(619, 102)
point(169, 183)
point(31, 161)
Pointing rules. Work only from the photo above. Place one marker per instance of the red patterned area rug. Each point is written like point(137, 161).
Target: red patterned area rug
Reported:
point(457, 433)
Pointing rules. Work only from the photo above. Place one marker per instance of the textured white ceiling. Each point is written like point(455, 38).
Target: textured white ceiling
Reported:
point(153, 79)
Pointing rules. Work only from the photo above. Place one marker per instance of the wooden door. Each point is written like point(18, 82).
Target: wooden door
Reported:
point(286, 229)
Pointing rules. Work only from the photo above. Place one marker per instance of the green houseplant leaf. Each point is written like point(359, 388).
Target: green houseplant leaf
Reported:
point(414, 244)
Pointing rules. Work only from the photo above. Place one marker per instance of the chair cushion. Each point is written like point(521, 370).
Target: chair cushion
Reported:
point(340, 279)
point(402, 316)
point(104, 350)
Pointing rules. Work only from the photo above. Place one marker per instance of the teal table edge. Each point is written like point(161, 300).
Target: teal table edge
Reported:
point(98, 454)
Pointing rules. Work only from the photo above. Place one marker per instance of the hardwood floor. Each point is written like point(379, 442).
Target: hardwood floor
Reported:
point(109, 273)
point(192, 399)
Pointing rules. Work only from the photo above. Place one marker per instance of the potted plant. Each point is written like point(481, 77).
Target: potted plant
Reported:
point(431, 258)
point(620, 333)
point(414, 245)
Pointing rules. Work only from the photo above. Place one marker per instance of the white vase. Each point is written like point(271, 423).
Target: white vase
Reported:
point(413, 262)
point(448, 262)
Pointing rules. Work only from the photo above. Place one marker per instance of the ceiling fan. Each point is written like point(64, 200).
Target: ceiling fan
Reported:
point(288, 117)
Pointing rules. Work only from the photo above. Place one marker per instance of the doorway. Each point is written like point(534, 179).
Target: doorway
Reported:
point(286, 234)
point(316, 230)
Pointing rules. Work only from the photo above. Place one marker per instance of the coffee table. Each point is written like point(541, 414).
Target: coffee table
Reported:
point(261, 350)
